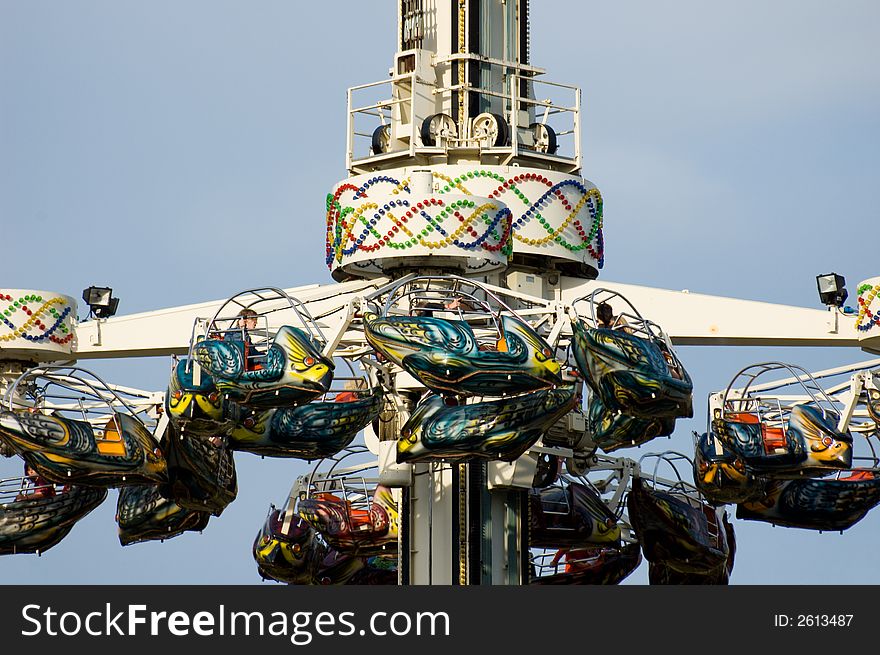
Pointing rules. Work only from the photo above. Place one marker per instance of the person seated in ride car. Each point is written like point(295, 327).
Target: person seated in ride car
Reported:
point(671, 363)
point(247, 321)
point(607, 320)
point(460, 305)
point(34, 486)
point(350, 392)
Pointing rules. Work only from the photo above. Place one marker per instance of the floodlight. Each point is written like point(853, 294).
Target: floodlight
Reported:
point(100, 301)
point(831, 289)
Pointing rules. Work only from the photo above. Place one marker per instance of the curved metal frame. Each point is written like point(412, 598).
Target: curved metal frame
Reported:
point(99, 393)
point(456, 287)
point(679, 486)
point(316, 477)
point(11, 487)
point(356, 492)
point(251, 299)
point(638, 325)
point(826, 405)
point(298, 307)
point(368, 376)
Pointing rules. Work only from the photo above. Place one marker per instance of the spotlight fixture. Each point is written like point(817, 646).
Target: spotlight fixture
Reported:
point(101, 302)
point(832, 291)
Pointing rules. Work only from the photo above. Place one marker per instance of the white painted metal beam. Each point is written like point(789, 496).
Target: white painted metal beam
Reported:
point(167, 331)
point(693, 319)
point(688, 318)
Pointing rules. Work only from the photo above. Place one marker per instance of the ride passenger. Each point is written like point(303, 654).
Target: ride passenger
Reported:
point(34, 486)
point(247, 321)
point(350, 392)
point(462, 306)
point(457, 304)
point(607, 320)
point(672, 365)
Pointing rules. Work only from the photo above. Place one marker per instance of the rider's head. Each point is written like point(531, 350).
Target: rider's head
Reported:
point(247, 319)
point(605, 314)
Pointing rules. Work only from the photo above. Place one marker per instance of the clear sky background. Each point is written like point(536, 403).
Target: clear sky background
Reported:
point(181, 151)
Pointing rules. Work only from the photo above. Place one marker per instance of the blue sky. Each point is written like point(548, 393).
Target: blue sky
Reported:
point(181, 152)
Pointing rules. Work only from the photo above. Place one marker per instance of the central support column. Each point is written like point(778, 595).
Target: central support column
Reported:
point(432, 509)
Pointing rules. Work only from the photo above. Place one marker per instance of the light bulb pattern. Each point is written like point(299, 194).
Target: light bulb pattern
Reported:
point(867, 319)
point(356, 223)
point(33, 318)
point(568, 212)
point(533, 207)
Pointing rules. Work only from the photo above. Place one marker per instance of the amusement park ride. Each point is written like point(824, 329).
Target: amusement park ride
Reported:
point(467, 407)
